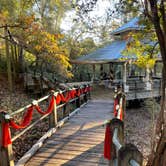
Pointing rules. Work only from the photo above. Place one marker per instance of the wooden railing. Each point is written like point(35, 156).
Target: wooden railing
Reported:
point(61, 100)
point(121, 154)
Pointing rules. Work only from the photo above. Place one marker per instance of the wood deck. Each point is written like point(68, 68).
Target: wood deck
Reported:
point(80, 141)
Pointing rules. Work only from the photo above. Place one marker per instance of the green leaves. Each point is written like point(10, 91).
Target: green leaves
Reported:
point(142, 48)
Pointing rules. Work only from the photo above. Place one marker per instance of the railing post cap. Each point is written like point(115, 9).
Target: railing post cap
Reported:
point(7, 117)
point(107, 122)
point(34, 102)
point(60, 92)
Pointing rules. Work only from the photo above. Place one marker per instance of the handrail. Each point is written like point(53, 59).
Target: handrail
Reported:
point(133, 163)
point(115, 139)
point(120, 149)
point(73, 96)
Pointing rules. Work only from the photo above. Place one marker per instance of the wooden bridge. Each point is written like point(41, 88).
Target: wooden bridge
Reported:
point(80, 141)
point(77, 137)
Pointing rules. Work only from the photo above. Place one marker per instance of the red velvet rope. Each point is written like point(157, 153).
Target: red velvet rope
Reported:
point(26, 120)
point(78, 92)
point(73, 93)
point(58, 99)
point(115, 104)
point(107, 143)
point(121, 114)
point(50, 108)
point(6, 139)
point(65, 98)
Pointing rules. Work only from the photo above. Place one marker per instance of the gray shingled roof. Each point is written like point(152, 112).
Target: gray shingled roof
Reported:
point(131, 25)
point(109, 53)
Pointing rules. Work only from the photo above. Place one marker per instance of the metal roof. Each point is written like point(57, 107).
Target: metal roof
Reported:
point(131, 25)
point(107, 54)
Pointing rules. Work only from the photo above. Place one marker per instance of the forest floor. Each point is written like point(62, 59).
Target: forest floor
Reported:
point(10, 102)
point(138, 120)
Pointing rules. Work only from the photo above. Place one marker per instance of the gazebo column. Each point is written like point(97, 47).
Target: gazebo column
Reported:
point(111, 68)
point(94, 72)
point(101, 68)
point(147, 79)
point(125, 77)
point(155, 70)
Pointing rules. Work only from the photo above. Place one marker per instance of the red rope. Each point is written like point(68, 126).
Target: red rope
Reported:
point(26, 120)
point(65, 98)
point(6, 136)
point(50, 108)
point(6, 139)
point(73, 93)
point(78, 92)
point(58, 99)
point(121, 113)
point(115, 104)
point(107, 143)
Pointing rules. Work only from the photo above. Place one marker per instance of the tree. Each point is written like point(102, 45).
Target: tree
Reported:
point(155, 12)
point(24, 31)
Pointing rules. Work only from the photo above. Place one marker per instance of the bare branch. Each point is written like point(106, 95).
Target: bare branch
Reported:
point(10, 26)
point(154, 46)
point(18, 43)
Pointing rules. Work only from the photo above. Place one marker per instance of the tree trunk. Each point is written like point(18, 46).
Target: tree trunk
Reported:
point(157, 156)
point(13, 62)
point(21, 60)
point(8, 59)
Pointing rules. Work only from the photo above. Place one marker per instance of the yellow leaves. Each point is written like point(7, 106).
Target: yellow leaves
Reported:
point(141, 49)
point(69, 75)
point(145, 61)
point(3, 17)
point(29, 57)
point(41, 43)
point(26, 20)
point(38, 47)
point(58, 36)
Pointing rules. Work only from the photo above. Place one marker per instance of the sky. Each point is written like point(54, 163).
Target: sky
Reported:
point(99, 11)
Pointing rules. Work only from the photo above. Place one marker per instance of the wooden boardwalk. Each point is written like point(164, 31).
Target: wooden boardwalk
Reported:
point(80, 141)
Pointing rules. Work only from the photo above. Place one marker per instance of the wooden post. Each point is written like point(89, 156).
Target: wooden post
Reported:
point(125, 77)
point(6, 153)
point(89, 94)
point(66, 110)
point(94, 71)
point(129, 153)
point(118, 124)
point(111, 72)
point(53, 116)
point(86, 96)
point(78, 102)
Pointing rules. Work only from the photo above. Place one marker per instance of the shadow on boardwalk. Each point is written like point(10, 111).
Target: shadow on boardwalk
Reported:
point(80, 141)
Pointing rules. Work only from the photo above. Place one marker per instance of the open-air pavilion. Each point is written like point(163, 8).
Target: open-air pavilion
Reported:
point(123, 71)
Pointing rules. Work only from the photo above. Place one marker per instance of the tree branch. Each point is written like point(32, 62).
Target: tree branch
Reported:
point(10, 26)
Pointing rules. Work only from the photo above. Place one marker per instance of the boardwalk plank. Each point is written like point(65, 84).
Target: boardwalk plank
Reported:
point(79, 142)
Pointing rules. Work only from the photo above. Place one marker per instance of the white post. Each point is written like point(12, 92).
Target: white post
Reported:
point(125, 77)
point(147, 79)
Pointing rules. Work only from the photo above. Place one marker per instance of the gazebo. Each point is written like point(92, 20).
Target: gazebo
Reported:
point(126, 74)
